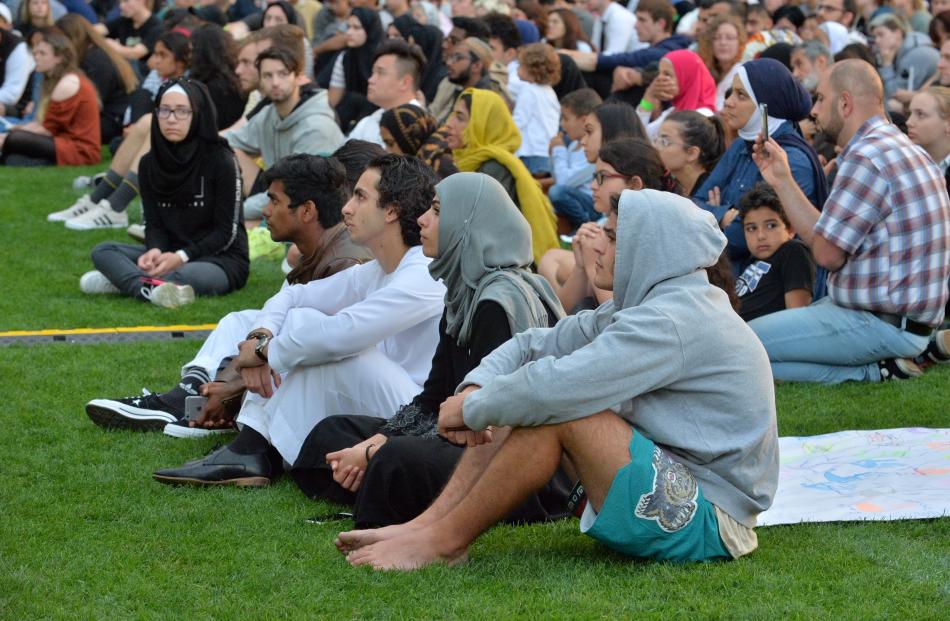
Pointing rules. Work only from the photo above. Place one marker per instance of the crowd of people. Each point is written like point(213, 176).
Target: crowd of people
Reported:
point(543, 258)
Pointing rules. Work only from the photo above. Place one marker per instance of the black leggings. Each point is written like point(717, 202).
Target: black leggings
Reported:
point(28, 144)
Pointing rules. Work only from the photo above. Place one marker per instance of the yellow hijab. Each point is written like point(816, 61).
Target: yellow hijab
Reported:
point(492, 135)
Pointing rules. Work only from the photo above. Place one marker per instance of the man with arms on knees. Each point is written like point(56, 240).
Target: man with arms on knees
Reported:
point(640, 395)
point(884, 235)
point(298, 120)
point(359, 341)
point(307, 193)
point(397, 67)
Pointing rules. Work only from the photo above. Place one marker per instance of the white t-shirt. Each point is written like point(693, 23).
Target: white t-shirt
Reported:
point(537, 115)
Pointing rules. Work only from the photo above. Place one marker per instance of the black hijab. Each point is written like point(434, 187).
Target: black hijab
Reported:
point(178, 165)
point(358, 61)
point(293, 18)
point(429, 40)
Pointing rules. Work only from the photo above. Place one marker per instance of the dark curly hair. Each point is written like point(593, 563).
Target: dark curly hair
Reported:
point(355, 155)
point(406, 183)
point(312, 178)
point(213, 56)
point(762, 196)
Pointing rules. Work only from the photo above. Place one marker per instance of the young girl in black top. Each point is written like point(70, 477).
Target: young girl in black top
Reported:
point(195, 241)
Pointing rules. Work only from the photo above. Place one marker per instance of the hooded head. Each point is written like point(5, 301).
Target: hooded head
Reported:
point(660, 236)
point(484, 253)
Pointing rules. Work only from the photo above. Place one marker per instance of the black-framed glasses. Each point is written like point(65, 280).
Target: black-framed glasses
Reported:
point(181, 113)
point(600, 175)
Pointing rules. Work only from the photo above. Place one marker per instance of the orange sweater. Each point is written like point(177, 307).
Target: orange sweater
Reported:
point(74, 123)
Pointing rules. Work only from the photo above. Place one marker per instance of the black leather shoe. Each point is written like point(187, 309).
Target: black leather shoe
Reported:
point(221, 467)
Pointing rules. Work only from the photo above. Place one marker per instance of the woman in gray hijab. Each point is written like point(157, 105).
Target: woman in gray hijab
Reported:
point(391, 470)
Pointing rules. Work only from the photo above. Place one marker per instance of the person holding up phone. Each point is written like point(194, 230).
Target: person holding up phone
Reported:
point(785, 102)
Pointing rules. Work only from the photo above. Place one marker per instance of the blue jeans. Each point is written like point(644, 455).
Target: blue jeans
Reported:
point(536, 164)
point(831, 344)
point(573, 204)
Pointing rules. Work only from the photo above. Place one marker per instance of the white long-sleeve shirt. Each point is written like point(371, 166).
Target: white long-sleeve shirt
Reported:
point(361, 307)
point(19, 66)
point(537, 116)
point(571, 168)
point(618, 26)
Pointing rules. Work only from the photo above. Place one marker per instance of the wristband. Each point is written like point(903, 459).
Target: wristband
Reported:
point(646, 106)
point(367, 451)
point(182, 255)
point(255, 335)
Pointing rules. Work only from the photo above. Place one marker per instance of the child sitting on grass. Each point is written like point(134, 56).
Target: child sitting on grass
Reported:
point(537, 111)
point(782, 273)
point(571, 195)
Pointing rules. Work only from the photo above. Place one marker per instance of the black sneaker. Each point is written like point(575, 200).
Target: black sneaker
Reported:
point(143, 413)
point(938, 350)
point(898, 369)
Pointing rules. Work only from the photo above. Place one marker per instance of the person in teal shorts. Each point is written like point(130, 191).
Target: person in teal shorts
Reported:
point(661, 400)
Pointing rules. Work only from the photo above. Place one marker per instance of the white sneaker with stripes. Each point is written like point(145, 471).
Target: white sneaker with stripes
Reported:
point(81, 206)
point(99, 217)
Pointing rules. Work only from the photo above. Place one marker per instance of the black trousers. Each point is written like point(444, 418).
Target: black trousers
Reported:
point(28, 145)
point(404, 476)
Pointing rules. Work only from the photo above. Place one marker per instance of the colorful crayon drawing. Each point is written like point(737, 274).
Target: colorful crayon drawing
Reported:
point(884, 474)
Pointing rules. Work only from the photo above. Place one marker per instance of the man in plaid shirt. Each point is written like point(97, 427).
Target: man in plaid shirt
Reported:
point(884, 235)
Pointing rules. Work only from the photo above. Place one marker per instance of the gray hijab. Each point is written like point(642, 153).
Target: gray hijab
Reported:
point(484, 254)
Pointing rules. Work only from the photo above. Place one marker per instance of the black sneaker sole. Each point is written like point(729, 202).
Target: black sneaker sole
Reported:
point(103, 413)
point(240, 482)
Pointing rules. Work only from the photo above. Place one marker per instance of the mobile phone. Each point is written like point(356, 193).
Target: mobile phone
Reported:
point(764, 133)
point(193, 407)
point(329, 517)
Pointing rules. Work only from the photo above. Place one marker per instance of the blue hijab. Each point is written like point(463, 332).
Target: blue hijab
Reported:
point(770, 82)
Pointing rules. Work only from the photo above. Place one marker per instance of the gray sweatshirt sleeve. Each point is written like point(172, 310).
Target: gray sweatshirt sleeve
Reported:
point(246, 137)
point(540, 379)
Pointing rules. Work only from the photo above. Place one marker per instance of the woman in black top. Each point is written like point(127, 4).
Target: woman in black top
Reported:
point(353, 67)
point(195, 241)
point(391, 470)
point(110, 73)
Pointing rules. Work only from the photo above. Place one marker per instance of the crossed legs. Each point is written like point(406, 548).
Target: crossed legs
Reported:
point(488, 484)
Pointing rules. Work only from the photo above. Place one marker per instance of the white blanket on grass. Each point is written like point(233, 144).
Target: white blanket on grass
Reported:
point(884, 474)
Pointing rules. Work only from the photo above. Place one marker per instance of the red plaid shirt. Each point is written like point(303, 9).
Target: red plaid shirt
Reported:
point(889, 211)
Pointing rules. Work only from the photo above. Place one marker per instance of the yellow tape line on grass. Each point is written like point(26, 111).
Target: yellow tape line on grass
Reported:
point(133, 329)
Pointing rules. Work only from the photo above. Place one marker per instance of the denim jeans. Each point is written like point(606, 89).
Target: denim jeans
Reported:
point(536, 164)
point(118, 263)
point(831, 344)
point(573, 204)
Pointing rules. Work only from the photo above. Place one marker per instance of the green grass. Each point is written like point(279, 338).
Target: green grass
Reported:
point(86, 534)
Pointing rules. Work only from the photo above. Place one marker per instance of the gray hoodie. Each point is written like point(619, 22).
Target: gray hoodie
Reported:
point(668, 353)
point(310, 128)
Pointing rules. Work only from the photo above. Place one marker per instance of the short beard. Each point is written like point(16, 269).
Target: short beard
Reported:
point(835, 124)
point(462, 78)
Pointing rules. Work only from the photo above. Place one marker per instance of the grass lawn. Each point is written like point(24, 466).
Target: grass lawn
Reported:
point(86, 533)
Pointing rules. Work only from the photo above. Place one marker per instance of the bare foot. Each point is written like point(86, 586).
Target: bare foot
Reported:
point(351, 540)
point(411, 551)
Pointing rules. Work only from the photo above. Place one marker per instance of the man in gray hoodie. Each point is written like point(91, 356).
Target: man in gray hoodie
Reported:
point(298, 119)
point(661, 399)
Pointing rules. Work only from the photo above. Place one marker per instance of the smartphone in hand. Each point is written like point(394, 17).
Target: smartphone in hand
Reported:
point(764, 133)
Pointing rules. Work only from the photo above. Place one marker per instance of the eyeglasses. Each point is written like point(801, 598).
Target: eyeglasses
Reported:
point(600, 175)
point(180, 113)
point(454, 58)
point(664, 141)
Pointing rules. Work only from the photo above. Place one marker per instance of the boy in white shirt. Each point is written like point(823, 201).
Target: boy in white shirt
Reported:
point(537, 111)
